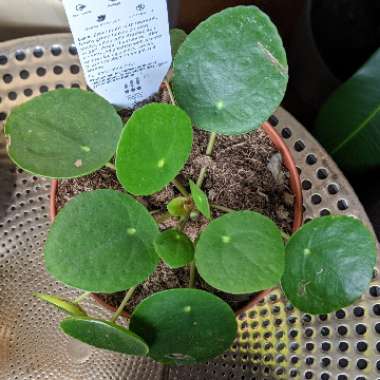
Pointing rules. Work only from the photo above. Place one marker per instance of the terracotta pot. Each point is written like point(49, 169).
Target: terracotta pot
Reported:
point(295, 184)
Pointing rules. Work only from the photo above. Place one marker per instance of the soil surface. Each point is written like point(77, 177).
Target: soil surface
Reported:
point(244, 173)
point(165, 278)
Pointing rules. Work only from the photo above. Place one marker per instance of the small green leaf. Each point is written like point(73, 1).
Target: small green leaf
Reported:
point(175, 248)
point(177, 207)
point(231, 72)
point(106, 335)
point(102, 241)
point(177, 36)
point(153, 148)
point(184, 326)
point(241, 252)
point(63, 134)
point(200, 200)
point(62, 304)
point(329, 264)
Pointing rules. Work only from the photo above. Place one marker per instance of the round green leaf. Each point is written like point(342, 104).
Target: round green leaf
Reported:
point(240, 253)
point(177, 207)
point(184, 326)
point(63, 134)
point(153, 148)
point(106, 335)
point(67, 306)
point(177, 36)
point(102, 241)
point(329, 264)
point(200, 200)
point(174, 248)
point(231, 72)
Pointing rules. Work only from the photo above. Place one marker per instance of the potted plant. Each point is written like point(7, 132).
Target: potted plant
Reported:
point(230, 75)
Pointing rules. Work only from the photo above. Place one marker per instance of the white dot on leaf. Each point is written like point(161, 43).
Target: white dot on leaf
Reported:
point(187, 309)
point(226, 239)
point(306, 252)
point(161, 163)
point(220, 105)
point(85, 148)
point(131, 231)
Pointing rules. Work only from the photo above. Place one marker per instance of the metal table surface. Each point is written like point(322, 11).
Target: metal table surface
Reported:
point(275, 341)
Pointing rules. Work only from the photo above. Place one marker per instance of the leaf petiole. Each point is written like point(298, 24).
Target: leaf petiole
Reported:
point(221, 208)
point(82, 297)
point(180, 187)
point(110, 165)
point(285, 236)
point(120, 309)
point(210, 147)
point(183, 221)
point(170, 92)
point(193, 271)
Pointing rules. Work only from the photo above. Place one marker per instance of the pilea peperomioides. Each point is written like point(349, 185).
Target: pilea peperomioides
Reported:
point(230, 75)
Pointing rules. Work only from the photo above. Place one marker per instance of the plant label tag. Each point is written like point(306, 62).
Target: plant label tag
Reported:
point(123, 45)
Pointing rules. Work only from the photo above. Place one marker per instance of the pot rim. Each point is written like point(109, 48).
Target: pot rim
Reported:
point(295, 184)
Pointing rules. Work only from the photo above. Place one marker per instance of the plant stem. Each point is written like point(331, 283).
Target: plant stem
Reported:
point(82, 297)
point(285, 236)
point(123, 304)
point(180, 187)
point(221, 208)
point(210, 147)
point(202, 176)
point(182, 223)
point(171, 95)
point(193, 271)
point(110, 165)
point(211, 143)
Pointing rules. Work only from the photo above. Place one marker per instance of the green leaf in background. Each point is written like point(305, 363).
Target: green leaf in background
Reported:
point(63, 134)
point(200, 200)
point(102, 241)
point(231, 72)
point(329, 264)
point(348, 125)
point(241, 252)
point(67, 306)
point(184, 326)
point(106, 335)
point(174, 248)
point(177, 207)
point(177, 37)
point(153, 148)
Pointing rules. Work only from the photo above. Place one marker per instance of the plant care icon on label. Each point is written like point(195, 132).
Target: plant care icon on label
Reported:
point(133, 88)
point(80, 7)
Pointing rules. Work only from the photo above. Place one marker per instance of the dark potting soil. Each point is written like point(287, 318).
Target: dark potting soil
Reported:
point(347, 33)
point(244, 173)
